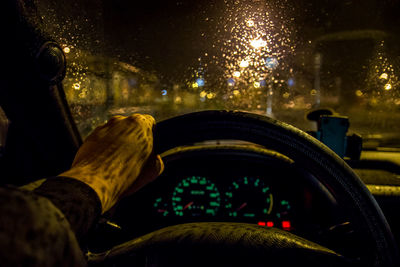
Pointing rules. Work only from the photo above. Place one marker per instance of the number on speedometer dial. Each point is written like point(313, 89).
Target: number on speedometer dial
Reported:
point(196, 196)
point(248, 198)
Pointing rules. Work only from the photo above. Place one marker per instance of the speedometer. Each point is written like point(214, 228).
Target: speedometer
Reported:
point(249, 198)
point(196, 196)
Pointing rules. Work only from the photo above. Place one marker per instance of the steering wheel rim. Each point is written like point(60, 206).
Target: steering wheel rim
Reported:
point(305, 150)
point(312, 155)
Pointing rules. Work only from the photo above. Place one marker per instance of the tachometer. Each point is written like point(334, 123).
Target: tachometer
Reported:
point(249, 197)
point(196, 196)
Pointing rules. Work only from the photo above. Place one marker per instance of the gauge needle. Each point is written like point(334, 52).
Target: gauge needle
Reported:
point(161, 210)
point(242, 206)
point(188, 205)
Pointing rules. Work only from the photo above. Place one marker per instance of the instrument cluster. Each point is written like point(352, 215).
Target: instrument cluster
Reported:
point(243, 198)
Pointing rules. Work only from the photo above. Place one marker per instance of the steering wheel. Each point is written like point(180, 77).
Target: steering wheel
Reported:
point(241, 244)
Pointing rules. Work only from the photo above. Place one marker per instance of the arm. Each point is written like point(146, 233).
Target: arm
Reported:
point(33, 232)
point(78, 202)
point(35, 227)
point(117, 159)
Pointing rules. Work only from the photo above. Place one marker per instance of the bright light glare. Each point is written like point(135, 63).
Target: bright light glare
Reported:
point(250, 23)
point(236, 74)
point(66, 50)
point(200, 82)
point(210, 95)
point(244, 63)
point(258, 43)
point(383, 76)
point(388, 86)
point(256, 84)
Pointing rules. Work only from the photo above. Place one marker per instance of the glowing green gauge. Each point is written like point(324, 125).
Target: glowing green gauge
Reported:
point(196, 196)
point(161, 207)
point(249, 198)
point(282, 209)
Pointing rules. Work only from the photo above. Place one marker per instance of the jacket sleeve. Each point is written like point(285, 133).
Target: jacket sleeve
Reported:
point(77, 201)
point(35, 233)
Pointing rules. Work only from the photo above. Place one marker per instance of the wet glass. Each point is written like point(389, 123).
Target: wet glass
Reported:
point(277, 58)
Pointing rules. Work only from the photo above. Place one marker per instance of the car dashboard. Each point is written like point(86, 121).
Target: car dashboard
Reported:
point(230, 183)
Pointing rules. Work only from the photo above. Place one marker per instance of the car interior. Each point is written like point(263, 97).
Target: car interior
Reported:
point(278, 123)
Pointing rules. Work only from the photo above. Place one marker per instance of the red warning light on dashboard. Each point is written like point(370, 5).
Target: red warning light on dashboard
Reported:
point(286, 225)
point(267, 224)
point(270, 224)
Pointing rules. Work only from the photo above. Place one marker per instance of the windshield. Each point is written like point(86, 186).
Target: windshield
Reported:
point(277, 58)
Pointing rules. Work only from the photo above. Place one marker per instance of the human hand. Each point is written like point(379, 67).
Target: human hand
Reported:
point(117, 158)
